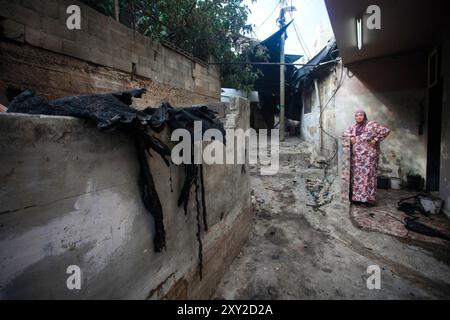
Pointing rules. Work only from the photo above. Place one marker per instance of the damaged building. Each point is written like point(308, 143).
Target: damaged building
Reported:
point(400, 77)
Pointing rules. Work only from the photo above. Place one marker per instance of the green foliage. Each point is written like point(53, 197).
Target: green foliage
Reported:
point(106, 6)
point(235, 73)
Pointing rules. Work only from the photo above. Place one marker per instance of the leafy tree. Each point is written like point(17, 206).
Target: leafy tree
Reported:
point(104, 6)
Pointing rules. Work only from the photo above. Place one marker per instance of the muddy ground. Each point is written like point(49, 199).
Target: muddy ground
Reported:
point(297, 252)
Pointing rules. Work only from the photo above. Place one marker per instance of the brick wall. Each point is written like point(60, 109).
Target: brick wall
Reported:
point(102, 41)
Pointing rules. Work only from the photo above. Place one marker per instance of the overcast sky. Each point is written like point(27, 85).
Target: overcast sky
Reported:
point(309, 16)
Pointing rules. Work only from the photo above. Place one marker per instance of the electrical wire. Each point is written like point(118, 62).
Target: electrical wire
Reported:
point(328, 161)
point(301, 41)
point(341, 81)
point(336, 146)
point(265, 20)
point(301, 37)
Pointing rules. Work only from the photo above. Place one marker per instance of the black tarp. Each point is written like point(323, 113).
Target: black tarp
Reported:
point(268, 85)
point(305, 73)
point(303, 76)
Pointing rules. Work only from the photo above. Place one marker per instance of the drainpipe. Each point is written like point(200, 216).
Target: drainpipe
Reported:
point(316, 86)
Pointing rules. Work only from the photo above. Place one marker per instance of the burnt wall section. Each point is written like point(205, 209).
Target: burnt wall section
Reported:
point(393, 93)
point(126, 55)
point(61, 206)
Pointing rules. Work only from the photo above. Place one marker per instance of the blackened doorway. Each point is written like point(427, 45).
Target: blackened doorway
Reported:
point(434, 135)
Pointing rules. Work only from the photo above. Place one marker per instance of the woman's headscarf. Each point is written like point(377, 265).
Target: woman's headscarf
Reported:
point(360, 126)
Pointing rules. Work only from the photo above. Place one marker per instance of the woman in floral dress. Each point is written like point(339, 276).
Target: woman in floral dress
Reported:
point(365, 137)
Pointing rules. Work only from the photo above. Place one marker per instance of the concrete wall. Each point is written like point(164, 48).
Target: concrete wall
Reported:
point(444, 185)
point(69, 196)
point(392, 91)
point(309, 121)
point(105, 53)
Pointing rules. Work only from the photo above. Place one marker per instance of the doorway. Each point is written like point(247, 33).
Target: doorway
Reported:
point(434, 135)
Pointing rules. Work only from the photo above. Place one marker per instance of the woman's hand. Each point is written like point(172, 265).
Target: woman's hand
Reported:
point(373, 142)
point(353, 140)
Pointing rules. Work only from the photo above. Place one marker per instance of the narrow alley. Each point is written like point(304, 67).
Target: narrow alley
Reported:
point(226, 150)
point(295, 252)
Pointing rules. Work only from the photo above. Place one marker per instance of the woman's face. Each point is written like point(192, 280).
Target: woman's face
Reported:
point(359, 117)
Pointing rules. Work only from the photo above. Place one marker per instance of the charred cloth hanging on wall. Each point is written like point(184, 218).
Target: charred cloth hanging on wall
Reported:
point(111, 111)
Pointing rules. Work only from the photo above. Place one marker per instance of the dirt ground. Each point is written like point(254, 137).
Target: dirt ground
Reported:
point(296, 252)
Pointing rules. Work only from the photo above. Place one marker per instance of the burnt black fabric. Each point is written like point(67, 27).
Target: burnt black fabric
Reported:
point(150, 196)
point(185, 117)
point(412, 208)
point(110, 111)
point(411, 222)
point(413, 225)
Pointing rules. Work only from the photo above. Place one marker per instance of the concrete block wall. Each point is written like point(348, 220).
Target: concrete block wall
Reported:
point(104, 42)
point(392, 92)
point(60, 206)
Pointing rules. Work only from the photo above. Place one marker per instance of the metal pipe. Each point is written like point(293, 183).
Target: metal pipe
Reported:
point(316, 86)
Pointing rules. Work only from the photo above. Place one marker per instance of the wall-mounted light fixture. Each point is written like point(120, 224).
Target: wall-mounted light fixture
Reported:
point(359, 34)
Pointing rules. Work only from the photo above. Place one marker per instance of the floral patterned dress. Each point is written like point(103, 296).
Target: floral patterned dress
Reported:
point(364, 161)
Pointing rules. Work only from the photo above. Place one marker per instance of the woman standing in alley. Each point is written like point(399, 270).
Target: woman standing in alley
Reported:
point(365, 137)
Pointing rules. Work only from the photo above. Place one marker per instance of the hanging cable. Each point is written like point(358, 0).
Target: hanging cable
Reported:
point(302, 42)
point(267, 18)
point(341, 81)
point(300, 39)
point(297, 28)
point(325, 180)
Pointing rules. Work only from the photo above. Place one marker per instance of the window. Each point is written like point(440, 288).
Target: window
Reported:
point(308, 100)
